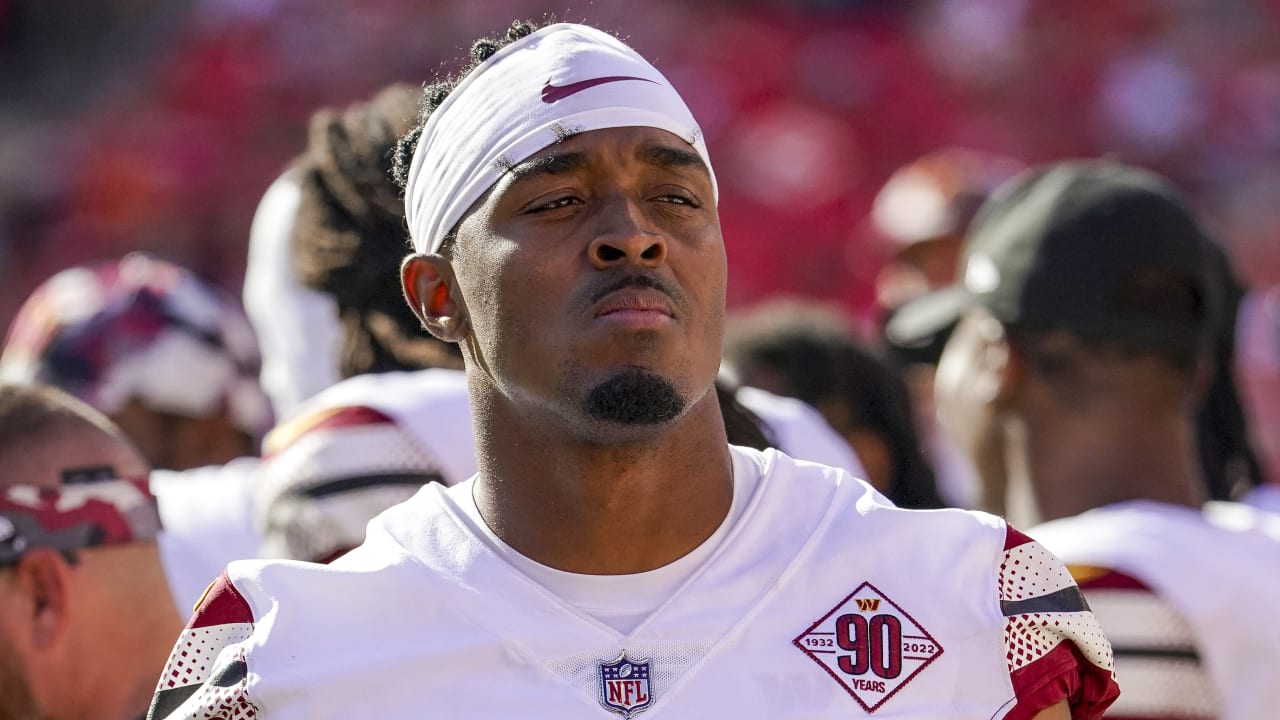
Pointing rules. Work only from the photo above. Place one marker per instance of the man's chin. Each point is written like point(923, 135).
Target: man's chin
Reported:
point(635, 398)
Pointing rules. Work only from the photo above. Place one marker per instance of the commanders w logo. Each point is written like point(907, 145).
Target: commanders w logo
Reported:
point(867, 604)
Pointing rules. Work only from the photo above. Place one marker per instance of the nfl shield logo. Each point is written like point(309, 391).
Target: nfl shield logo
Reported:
point(624, 685)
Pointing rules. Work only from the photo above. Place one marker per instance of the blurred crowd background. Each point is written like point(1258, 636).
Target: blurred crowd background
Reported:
point(158, 124)
point(852, 141)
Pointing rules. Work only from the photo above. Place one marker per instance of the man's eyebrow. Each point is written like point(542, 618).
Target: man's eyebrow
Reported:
point(671, 157)
point(557, 164)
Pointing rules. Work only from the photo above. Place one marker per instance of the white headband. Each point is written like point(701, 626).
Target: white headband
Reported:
point(562, 79)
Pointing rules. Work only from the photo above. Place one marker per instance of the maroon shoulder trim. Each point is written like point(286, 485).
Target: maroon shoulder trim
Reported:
point(222, 604)
point(1095, 578)
point(287, 433)
point(352, 415)
point(1013, 538)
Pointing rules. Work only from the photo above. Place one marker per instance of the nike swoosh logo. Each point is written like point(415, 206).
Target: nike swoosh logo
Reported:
point(554, 93)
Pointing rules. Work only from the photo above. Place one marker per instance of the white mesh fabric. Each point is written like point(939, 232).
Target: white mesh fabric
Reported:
point(299, 526)
point(1028, 638)
point(1139, 618)
point(1163, 688)
point(303, 528)
point(1153, 686)
point(322, 456)
point(196, 652)
point(1030, 571)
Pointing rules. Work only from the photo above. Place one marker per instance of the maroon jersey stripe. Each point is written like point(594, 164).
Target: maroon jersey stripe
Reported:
point(222, 604)
point(1106, 579)
point(1013, 538)
point(328, 419)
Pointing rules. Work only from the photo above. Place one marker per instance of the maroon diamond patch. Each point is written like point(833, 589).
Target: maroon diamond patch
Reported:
point(870, 645)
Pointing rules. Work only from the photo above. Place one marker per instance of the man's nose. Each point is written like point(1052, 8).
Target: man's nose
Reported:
point(627, 237)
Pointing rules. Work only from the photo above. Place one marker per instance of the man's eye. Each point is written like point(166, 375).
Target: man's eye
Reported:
point(556, 204)
point(680, 200)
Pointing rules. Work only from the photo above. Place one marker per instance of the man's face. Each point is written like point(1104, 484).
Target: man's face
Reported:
point(34, 676)
point(593, 276)
point(181, 442)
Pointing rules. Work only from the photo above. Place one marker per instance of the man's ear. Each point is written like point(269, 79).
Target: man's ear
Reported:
point(43, 577)
point(1011, 372)
point(1002, 363)
point(430, 289)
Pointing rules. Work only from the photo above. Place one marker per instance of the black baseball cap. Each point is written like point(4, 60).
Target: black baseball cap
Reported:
point(1064, 246)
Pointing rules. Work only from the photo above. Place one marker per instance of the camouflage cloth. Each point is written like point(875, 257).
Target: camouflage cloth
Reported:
point(142, 329)
point(100, 511)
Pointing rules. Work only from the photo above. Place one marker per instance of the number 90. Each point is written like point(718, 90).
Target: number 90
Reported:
point(876, 645)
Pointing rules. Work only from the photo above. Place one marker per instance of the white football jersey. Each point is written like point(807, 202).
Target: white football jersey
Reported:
point(1188, 599)
point(1264, 497)
point(298, 330)
point(822, 601)
point(206, 521)
point(356, 449)
point(797, 429)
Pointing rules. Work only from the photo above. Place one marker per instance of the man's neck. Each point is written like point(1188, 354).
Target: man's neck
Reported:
point(1089, 463)
point(601, 509)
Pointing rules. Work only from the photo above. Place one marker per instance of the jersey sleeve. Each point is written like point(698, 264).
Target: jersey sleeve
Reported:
point(1054, 647)
point(327, 473)
point(207, 672)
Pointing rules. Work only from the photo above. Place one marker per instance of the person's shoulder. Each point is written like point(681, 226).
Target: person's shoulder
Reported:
point(799, 430)
point(389, 389)
point(958, 566)
point(216, 660)
point(1245, 519)
point(1139, 534)
point(1054, 646)
point(861, 510)
point(429, 410)
point(365, 404)
point(772, 407)
point(207, 665)
point(249, 590)
point(343, 432)
point(1264, 497)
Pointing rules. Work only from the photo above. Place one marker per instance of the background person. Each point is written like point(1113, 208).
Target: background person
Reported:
point(1259, 372)
point(86, 615)
point(1088, 323)
point(320, 289)
point(296, 326)
point(920, 215)
point(808, 351)
point(170, 358)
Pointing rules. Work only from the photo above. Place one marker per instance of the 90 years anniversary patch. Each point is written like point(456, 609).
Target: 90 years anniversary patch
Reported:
point(869, 645)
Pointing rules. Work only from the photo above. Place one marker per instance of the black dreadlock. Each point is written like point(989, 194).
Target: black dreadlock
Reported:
point(349, 236)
